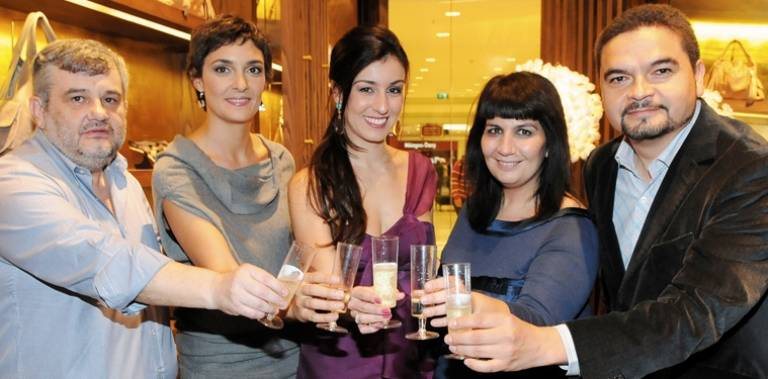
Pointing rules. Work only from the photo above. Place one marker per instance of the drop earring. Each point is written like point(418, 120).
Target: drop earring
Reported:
point(338, 127)
point(201, 99)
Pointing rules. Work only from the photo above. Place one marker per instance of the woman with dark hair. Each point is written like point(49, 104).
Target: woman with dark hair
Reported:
point(220, 200)
point(532, 247)
point(356, 187)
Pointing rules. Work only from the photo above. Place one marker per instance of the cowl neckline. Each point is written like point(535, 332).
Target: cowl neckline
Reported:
point(246, 190)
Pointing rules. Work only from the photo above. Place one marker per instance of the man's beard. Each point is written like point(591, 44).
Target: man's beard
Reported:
point(96, 159)
point(644, 131)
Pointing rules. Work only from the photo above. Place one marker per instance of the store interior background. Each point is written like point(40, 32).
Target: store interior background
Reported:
point(454, 47)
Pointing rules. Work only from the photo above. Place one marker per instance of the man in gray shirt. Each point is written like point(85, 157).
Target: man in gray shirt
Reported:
point(79, 257)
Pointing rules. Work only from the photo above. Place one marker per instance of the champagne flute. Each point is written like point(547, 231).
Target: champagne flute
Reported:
point(423, 263)
point(345, 264)
point(385, 250)
point(458, 303)
point(295, 264)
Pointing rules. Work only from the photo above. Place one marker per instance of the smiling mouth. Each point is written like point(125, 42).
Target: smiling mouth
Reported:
point(239, 101)
point(504, 164)
point(376, 121)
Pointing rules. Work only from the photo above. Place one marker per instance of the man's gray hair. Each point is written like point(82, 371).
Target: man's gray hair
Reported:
point(75, 56)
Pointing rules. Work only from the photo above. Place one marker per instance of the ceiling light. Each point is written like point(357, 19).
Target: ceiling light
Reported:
point(511, 59)
point(453, 14)
point(485, 77)
point(424, 69)
point(419, 77)
point(497, 69)
point(431, 60)
point(130, 18)
point(442, 34)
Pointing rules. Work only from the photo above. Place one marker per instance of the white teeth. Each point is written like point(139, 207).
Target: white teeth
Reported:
point(376, 121)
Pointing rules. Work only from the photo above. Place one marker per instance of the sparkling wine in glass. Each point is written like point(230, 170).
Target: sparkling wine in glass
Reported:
point(385, 249)
point(458, 302)
point(295, 264)
point(345, 264)
point(423, 262)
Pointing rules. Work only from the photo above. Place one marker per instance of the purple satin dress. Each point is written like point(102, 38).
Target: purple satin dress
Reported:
point(386, 353)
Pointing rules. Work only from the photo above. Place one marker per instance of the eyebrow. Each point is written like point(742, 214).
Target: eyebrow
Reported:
point(399, 81)
point(73, 91)
point(227, 61)
point(657, 62)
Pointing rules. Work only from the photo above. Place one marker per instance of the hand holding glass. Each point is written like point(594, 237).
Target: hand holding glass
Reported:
point(345, 264)
point(295, 264)
point(423, 269)
point(385, 249)
point(458, 302)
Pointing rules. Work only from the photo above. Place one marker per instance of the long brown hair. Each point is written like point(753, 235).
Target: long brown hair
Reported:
point(333, 191)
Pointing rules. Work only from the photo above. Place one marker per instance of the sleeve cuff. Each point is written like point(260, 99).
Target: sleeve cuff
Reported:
point(572, 369)
point(125, 276)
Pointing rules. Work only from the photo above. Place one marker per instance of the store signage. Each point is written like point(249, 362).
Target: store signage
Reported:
point(431, 130)
point(419, 145)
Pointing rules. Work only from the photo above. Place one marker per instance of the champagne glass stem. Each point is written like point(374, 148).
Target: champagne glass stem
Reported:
point(422, 326)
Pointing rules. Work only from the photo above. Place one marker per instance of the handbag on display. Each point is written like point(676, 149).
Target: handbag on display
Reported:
point(734, 75)
point(15, 120)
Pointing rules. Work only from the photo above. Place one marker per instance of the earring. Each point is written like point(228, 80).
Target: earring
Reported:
point(201, 99)
point(546, 154)
point(338, 127)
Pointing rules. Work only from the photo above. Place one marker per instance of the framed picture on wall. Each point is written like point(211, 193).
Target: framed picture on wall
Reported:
point(738, 73)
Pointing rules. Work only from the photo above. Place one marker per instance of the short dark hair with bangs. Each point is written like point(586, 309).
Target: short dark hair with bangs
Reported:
point(520, 96)
point(220, 31)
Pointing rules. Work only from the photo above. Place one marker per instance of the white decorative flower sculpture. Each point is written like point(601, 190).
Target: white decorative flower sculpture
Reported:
point(582, 107)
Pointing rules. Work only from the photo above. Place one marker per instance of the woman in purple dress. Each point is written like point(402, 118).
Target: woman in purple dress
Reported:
point(355, 187)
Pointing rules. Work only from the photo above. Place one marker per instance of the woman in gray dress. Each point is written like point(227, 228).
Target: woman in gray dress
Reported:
point(220, 200)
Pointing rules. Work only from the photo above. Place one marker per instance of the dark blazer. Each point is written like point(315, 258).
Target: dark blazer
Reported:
point(692, 302)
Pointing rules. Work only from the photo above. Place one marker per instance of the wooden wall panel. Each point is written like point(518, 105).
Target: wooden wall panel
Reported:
point(309, 28)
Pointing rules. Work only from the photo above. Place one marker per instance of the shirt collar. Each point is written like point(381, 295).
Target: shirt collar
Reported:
point(117, 165)
point(625, 155)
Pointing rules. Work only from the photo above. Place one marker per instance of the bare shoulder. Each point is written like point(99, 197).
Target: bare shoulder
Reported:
point(571, 202)
point(400, 158)
point(299, 179)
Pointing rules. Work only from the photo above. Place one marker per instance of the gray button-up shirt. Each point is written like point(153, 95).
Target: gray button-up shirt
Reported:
point(70, 271)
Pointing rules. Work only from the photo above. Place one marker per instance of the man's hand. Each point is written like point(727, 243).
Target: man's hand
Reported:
point(249, 291)
point(502, 342)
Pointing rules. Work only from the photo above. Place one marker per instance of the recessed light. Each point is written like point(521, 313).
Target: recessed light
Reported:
point(424, 69)
point(497, 69)
point(419, 77)
point(453, 13)
point(431, 60)
point(442, 34)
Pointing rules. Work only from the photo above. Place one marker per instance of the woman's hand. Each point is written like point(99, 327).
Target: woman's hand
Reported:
point(316, 300)
point(365, 307)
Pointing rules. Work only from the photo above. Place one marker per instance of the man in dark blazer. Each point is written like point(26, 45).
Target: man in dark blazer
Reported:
point(681, 204)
